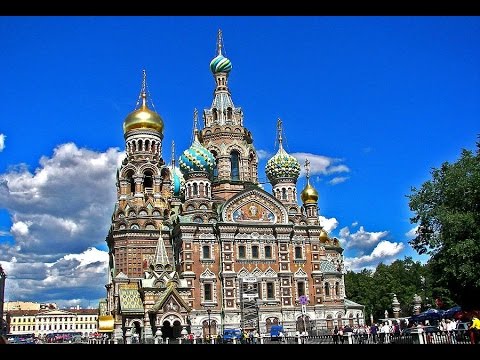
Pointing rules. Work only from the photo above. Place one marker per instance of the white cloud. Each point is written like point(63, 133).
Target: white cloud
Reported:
point(338, 179)
point(61, 214)
point(384, 251)
point(320, 164)
point(264, 154)
point(2, 142)
point(90, 256)
point(361, 238)
point(19, 229)
point(53, 207)
point(354, 224)
point(81, 276)
point(329, 224)
point(412, 233)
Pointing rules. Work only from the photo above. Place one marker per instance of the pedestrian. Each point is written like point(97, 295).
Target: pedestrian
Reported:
point(475, 330)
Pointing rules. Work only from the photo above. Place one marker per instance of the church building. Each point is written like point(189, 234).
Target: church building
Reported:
point(196, 245)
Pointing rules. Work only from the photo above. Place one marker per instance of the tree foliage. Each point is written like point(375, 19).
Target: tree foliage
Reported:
point(404, 278)
point(447, 212)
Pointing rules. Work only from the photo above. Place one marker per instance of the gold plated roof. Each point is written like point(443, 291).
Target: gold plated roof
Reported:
point(309, 195)
point(143, 118)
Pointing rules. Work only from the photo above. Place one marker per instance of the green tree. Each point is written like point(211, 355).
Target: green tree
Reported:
point(447, 212)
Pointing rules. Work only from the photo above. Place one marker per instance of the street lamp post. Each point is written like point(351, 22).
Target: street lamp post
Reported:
point(209, 326)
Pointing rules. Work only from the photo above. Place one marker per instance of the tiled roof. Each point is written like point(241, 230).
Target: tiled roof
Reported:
point(130, 301)
point(327, 266)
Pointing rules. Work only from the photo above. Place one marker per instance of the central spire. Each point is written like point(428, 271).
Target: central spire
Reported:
point(195, 122)
point(279, 133)
point(219, 42)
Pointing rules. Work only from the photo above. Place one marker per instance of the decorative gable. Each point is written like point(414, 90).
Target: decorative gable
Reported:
point(254, 206)
point(207, 274)
point(270, 273)
point(243, 272)
point(300, 273)
point(257, 272)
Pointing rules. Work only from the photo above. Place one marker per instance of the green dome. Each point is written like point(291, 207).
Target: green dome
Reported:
point(282, 165)
point(196, 158)
point(220, 64)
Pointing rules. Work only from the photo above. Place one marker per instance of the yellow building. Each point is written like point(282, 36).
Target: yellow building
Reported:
point(43, 322)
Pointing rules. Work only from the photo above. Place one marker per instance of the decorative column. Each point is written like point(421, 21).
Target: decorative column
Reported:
point(158, 336)
point(128, 336)
point(395, 306)
point(417, 304)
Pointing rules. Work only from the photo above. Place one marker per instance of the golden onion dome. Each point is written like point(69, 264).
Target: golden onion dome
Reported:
point(323, 236)
point(309, 195)
point(143, 118)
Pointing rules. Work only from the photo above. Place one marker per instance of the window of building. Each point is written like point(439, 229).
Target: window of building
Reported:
point(206, 251)
point(255, 251)
point(148, 179)
point(301, 288)
point(337, 288)
point(241, 251)
point(298, 252)
point(208, 291)
point(268, 252)
point(215, 169)
point(327, 289)
point(270, 290)
point(195, 189)
point(284, 194)
point(234, 165)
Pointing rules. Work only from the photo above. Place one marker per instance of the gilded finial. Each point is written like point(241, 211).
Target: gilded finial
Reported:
point(279, 132)
point(307, 169)
point(219, 42)
point(173, 154)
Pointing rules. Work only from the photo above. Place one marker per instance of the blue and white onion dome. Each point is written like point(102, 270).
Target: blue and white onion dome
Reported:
point(220, 64)
point(282, 165)
point(196, 158)
point(177, 179)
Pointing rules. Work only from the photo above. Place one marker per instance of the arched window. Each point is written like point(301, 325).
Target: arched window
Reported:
point(131, 180)
point(148, 179)
point(284, 194)
point(195, 189)
point(229, 113)
point(337, 288)
point(214, 113)
point(327, 289)
point(215, 169)
point(234, 165)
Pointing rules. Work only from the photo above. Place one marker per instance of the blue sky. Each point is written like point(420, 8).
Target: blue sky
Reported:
point(373, 102)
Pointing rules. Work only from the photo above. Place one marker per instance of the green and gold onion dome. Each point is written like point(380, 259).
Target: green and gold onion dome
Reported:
point(220, 64)
point(143, 118)
point(196, 158)
point(282, 165)
point(177, 179)
point(309, 195)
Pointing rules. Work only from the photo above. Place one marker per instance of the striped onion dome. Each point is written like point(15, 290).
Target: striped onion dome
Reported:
point(196, 158)
point(220, 64)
